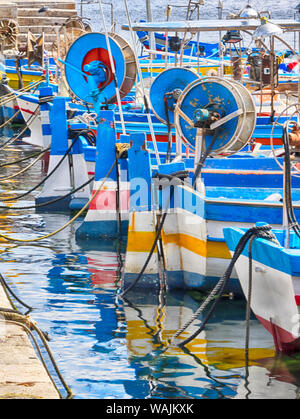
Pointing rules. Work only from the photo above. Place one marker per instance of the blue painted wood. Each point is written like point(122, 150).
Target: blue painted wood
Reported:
point(267, 252)
point(106, 146)
point(59, 127)
point(139, 168)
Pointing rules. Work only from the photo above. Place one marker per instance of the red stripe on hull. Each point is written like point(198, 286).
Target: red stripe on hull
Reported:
point(24, 110)
point(297, 299)
point(284, 341)
point(106, 200)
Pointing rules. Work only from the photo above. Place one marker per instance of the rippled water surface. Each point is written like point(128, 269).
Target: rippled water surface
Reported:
point(108, 348)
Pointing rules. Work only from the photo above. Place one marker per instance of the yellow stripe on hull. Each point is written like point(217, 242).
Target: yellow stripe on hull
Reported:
point(142, 241)
point(27, 79)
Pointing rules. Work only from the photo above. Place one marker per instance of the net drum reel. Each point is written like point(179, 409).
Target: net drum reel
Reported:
point(166, 90)
point(220, 112)
point(9, 31)
point(88, 70)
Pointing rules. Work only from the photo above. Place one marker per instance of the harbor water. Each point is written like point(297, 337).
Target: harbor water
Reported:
point(109, 348)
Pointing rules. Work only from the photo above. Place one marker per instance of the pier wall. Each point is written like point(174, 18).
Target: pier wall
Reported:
point(22, 374)
point(28, 16)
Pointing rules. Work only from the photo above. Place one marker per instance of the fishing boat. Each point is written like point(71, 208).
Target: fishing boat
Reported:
point(232, 188)
point(191, 220)
point(275, 285)
point(268, 269)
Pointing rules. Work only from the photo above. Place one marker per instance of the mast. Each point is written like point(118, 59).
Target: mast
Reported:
point(150, 19)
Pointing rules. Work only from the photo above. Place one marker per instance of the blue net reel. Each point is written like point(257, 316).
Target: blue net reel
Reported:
point(217, 111)
point(88, 69)
point(166, 89)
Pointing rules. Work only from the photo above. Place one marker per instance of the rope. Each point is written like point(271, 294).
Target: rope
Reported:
point(52, 201)
point(216, 293)
point(46, 177)
point(21, 160)
point(10, 119)
point(11, 96)
point(121, 150)
point(8, 291)
point(46, 236)
point(27, 167)
point(158, 230)
point(30, 120)
point(27, 323)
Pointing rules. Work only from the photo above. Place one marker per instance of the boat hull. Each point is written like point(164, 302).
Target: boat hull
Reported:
point(275, 288)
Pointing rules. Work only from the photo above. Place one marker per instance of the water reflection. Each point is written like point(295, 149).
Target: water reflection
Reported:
point(109, 348)
point(214, 364)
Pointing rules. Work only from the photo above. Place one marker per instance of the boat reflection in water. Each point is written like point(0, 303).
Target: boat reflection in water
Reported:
point(214, 365)
point(106, 348)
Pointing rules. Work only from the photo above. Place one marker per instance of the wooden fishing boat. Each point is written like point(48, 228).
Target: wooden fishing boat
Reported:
point(275, 286)
point(269, 267)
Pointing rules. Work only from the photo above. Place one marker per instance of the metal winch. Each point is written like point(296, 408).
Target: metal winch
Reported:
point(223, 110)
point(88, 69)
point(218, 112)
point(166, 90)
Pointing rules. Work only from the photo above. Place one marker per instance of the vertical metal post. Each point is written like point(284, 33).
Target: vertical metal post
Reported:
point(199, 146)
point(142, 85)
point(272, 73)
point(168, 13)
point(220, 15)
point(113, 68)
point(151, 34)
point(285, 222)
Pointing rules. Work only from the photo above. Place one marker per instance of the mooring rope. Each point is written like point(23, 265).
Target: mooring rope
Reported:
point(41, 154)
point(26, 126)
point(258, 232)
point(8, 291)
point(180, 175)
point(10, 119)
point(46, 236)
point(22, 159)
point(15, 94)
point(46, 177)
point(52, 201)
point(27, 323)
